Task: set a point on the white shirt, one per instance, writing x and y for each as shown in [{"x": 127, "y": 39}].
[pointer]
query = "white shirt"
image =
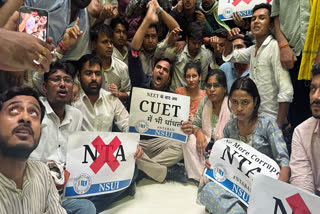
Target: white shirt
[
  {"x": 54, "y": 135},
  {"x": 118, "y": 75},
  {"x": 273, "y": 82},
  {"x": 116, "y": 53},
  {"x": 181, "y": 60},
  {"x": 105, "y": 110}
]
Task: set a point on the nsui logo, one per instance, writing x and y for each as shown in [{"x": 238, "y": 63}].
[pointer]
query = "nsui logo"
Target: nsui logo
[
  {"x": 219, "y": 173},
  {"x": 105, "y": 154},
  {"x": 82, "y": 183}
]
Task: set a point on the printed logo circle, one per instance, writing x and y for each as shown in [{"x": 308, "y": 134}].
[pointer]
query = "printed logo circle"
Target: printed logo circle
[
  {"x": 219, "y": 173},
  {"x": 82, "y": 184},
  {"x": 227, "y": 13},
  {"x": 141, "y": 126}
]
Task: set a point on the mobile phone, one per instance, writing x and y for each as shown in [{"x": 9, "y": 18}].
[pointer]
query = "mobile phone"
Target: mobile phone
[{"x": 34, "y": 21}]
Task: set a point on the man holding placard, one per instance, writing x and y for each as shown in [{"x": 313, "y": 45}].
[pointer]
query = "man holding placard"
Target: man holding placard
[
  {"x": 305, "y": 160},
  {"x": 161, "y": 154}
]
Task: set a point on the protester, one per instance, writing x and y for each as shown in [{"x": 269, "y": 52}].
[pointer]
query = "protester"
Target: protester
[
  {"x": 192, "y": 76},
  {"x": 304, "y": 161},
  {"x": 208, "y": 123},
  {"x": 272, "y": 80},
  {"x": 28, "y": 184},
  {"x": 235, "y": 70},
  {"x": 100, "y": 109},
  {"x": 115, "y": 71},
  {"x": 60, "y": 121},
  {"x": 193, "y": 51},
  {"x": 255, "y": 129},
  {"x": 120, "y": 29}
]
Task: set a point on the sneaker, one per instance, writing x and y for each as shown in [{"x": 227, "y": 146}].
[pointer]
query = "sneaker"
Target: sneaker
[{"x": 177, "y": 173}]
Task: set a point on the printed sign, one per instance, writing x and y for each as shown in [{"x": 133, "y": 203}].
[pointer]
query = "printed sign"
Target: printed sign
[
  {"x": 227, "y": 7},
  {"x": 158, "y": 113},
  {"x": 273, "y": 196},
  {"x": 234, "y": 164},
  {"x": 100, "y": 162}
]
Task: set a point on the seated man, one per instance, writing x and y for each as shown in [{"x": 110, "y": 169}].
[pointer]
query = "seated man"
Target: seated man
[
  {"x": 100, "y": 109},
  {"x": 115, "y": 71},
  {"x": 193, "y": 51},
  {"x": 161, "y": 155},
  {"x": 273, "y": 82},
  {"x": 235, "y": 70},
  {"x": 305, "y": 158},
  {"x": 60, "y": 121},
  {"x": 26, "y": 186},
  {"x": 120, "y": 29}
]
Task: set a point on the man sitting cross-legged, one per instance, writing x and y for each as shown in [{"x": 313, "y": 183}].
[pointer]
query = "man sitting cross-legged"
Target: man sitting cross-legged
[{"x": 60, "y": 121}]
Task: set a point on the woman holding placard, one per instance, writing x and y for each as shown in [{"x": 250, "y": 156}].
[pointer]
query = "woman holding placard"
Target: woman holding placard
[
  {"x": 258, "y": 130},
  {"x": 208, "y": 123},
  {"x": 192, "y": 76}
]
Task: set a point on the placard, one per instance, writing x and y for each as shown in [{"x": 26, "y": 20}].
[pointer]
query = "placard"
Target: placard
[
  {"x": 158, "y": 113},
  {"x": 234, "y": 164},
  {"x": 99, "y": 162},
  {"x": 227, "y": 7}
]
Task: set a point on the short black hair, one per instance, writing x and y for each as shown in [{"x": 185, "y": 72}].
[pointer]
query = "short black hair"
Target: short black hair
[
  {"x": 59, "y": 65},
  {"x": 100, "y": 28},
  {"x": 246, "y": 40},
  {"x": 196, "y": 65},
  {"x": 21, "y": 91},
  {"x": 247, "y": 84},
  {"x": 195, "y": 31},
  {"x": 263, "y": 5},
  {"x": 92, "y": 58},
  {"x": 119, "y": 20},
  {"x": 220, "y": 76},
  {"x": 164, "y": 59},
  {"x": 221, "y": 32},
  {"x": 155, "y": 26},
  {"x": 315, "y": 70}
]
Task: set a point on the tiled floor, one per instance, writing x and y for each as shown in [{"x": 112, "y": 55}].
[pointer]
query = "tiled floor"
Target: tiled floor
[{"x": 155, "y": 198}]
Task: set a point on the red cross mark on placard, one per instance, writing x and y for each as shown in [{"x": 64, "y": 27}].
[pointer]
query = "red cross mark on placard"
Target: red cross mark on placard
[
  {"x": 236, "y": 2},
  {"x": 297, "y": 204},
  {"x": 269, "y": 1},
  {"x": 106, "y": 154}
]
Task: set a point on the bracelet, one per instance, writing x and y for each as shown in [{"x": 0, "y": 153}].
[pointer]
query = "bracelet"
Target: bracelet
[
  {"x": 63, "y": 47},
  {"x": 160, "y": 11},
  {"x": 284, "y": 45}
]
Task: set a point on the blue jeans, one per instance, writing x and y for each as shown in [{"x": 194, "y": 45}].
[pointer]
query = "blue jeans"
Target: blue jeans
[
  {"x": 79, "y": 206},
  {"x": 102, "y": 202}
]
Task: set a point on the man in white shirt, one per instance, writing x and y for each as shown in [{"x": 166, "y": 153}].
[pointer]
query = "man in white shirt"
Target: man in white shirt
[
  {"x": 60, "y": 121},
  {"x": 100, "y": 108},
  {"x": 25, "y": 186},
  {"x": 115, "y": 71},
  {"x": 273, "y": 82},
  {"x": 120, "y": 29}
]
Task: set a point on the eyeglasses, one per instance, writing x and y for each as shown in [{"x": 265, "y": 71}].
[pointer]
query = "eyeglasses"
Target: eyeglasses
[
  {"x": 214, "y": 85},
  {"x": 58, "y": 79}
]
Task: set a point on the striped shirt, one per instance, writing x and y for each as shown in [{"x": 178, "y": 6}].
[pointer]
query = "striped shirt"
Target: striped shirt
[{"x": 38, "y": 194}]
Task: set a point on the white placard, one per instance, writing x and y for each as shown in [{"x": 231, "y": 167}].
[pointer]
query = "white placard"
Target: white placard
[
  {"x": 99, "y": 162},
  {"x": 227, "y": 7},
  {"x": 234, "y": 164},
  {"x": 273, "y": 196},
  {"x": 158, "y": 113}
]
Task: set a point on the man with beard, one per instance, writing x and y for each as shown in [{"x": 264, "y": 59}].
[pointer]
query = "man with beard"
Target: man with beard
[
  {"x": 59, "y": 122},
  {"x": 25, "y": 186},
  {"x": 63, "y": 15},
  {"x": 100, "y": 109},
  {"x": 305, "y": 156},
  {"x": 161, "y": 155}
]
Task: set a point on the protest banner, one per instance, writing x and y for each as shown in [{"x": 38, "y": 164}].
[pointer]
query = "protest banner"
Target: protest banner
[
  {"x": 234, "y": 164},
  {"x": 158, "y": 113},
  {"x": 227, "y": 7},
  {"x": 273, "y": 196},
  {"x": 99, "y": 162}
]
